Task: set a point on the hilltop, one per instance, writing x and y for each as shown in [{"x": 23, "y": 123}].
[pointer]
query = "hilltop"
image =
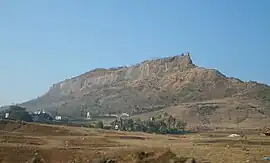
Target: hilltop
[{"x": 173, "y": 84}]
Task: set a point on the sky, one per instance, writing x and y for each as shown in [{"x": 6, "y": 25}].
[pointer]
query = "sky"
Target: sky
[{"x": 44, "y": 42}]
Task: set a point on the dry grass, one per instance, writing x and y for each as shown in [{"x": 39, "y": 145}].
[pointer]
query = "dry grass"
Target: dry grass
[{"x": 88, "y": 145}]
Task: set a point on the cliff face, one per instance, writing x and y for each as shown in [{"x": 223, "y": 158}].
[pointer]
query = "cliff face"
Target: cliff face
[
  {"x": 101, "y": 77},
  {"x": 143, "y": 87}
]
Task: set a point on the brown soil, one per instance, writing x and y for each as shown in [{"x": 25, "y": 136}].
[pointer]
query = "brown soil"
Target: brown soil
[
  {"x": 18, "y": 144},
  {"x": 129, "y": 137},
  {"x": 35, "y": 129},
  {"x": 21, "y": 139}
]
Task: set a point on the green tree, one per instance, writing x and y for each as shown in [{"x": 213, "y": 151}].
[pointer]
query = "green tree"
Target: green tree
[
  {"x": 130, "y": 124},
  {"x": 170, "y": 121},
  {"x": 163, "y": 129},
  {"x": 19, "y": 113},
  {"x": 160, "y": 123},
  {"x": 159, "y": 116},
  {"x": 181, "y": 125},
  {"x": 2, "y": 114},
  {"x": 138, "y": 121},
  {"x": 123, "y": 124},
  {"x": 165, "y": 114},
  {"x": 99, "y": 124}
]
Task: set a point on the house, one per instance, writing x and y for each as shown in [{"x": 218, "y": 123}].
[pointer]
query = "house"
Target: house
[
  {"x": 58, "y": 118},
  {"x": 116, "y": 124},
  {"x": 88, "y": 115},
  {"x": 42, "y": 117},
  {"x": 114, "y": 115},
  {"x": 6, "y": 115},
  {"x": 124, "y": 115}
]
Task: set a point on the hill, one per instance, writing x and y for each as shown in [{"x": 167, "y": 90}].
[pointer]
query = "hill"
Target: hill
[{"x": 173, "y": 84}]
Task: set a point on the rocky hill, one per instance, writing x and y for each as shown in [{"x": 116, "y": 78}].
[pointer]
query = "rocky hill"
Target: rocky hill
[{"x": 148, "y": 87}]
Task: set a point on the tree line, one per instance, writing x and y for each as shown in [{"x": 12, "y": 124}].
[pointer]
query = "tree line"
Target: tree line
[
  {"x": 17, "y": 113},
  {"x": 165, "y": 124}
]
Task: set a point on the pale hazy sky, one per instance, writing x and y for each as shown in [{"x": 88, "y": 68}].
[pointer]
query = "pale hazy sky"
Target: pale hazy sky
[{"x": 44, "y": 42}]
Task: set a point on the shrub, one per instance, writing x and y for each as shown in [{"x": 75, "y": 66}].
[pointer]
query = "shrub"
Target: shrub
[
  {"x": 99, "y": 124},
  {"x": 19, "y": 113}
]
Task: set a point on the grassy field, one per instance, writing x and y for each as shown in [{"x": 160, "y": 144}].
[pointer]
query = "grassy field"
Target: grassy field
[{"x": 21, "y": 142}]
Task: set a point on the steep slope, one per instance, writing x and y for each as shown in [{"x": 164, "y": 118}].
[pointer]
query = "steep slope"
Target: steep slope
[{"x": 148, "y": 86}]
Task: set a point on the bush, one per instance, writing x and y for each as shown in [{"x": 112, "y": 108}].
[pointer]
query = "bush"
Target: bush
[
  {"x": 99, "y": 124},
  {"x": 107, "y": 127},
  {"x": 163, "y": 130},
  {"x": 19, "y": 113}
]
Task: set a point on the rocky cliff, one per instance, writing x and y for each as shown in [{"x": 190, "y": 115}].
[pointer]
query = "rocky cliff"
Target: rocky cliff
[{"x": 148, "y": 86}]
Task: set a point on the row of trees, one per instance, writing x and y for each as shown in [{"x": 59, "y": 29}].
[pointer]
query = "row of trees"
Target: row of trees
[
  {"x": 17, "y": 113},
  {"x": 160, "y": 124},
  {"x": 167, "y": 124},
  {"x": 21, "y": 114}
]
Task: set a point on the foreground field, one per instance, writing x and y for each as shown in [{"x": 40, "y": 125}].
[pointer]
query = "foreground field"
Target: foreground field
[{"x": 21, "y": 142}]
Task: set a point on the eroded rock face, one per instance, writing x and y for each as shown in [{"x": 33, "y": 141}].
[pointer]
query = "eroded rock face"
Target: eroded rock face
[
  {"x": 108, "y": 77},
  {"x": 148, "y": 85}
]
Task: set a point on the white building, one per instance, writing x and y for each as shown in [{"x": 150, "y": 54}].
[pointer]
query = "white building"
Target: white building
[
  {"x": 88, "y": 115},
  {"x": 6, "y": 115},
  {"x": 124, "y": 115},
  {"x": 114, "y": 115},
  {"x": 58, "y": 117}
]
